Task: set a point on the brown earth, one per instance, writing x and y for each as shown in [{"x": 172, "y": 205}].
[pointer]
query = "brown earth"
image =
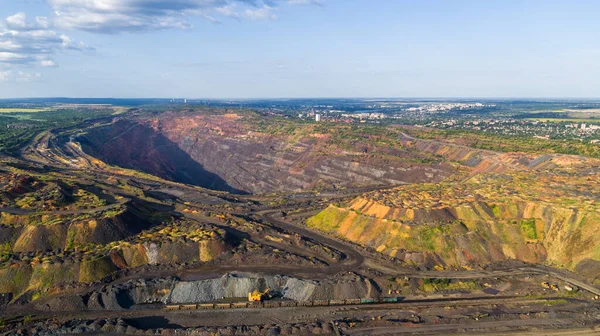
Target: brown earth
[{"x": 225, "y": 153}]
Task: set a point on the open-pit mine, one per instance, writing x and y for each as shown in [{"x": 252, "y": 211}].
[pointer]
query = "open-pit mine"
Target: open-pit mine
[{"x": 214, "y": 221}]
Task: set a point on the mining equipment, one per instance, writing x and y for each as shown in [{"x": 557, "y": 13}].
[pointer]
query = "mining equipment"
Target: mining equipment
[
  {"x": 258, "y": 296},
  {"x": 570, "y": 288}
]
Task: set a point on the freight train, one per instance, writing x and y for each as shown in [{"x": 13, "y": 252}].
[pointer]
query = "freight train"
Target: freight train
[{"x": 279, "y": 304}]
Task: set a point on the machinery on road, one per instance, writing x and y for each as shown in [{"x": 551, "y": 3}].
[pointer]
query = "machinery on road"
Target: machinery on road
[{"x": 258, "y": 296}]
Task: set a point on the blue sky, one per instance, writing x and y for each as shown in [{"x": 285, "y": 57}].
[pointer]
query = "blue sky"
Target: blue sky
[{"x": 299, "y": 48}]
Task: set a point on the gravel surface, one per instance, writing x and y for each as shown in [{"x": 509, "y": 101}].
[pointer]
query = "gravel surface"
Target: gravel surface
[{"x": 238, "y": 285}]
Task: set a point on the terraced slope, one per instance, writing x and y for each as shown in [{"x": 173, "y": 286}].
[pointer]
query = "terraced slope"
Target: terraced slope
[
  {"x": 32, "y": 275},
  {"x": 246, "y": 153},
  {"x": 57, "y": 231},
  {"x": 541, "y": 216},
  {"x": 138, "y": 146},
  {"x": 485, "y": 161}
]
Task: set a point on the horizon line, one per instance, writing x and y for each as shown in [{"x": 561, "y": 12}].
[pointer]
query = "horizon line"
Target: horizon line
[{"x": 309, "y": 97}]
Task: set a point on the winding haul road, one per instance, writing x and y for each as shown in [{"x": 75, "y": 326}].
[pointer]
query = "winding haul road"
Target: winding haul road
[{"x": 44, "y": 150}]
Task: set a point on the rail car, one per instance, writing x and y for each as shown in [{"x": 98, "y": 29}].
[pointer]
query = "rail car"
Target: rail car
[{"x": 279, "y": 304}]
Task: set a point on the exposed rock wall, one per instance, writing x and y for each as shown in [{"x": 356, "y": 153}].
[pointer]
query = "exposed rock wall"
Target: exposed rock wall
[
  {"x": 37, "y": 278},
  {"x": 235, "y": 286},
  {"x": 470, "y": 234},
  {"x": 134, "y": 255},
  {"x": 238, "y": 285},
  {"x": 134, "y": 145},
  {"x": 59, "y": 232},
  {"x": 223, "y": 152},
  {"x": 485, "y": 161}
]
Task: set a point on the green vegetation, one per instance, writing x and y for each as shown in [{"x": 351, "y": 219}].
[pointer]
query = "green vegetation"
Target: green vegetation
[
  {"x": 566, "y": 120},
  {"x": 5, "y": 251},
  {"x": 552, "y": 302},
  {"x": 327, "y": 220},
  {"x": 14, "y": 279},
  {"x": 96, "y": 269},
  {"x": 495, "y": 209},
  {"x": 528, "y": 228},
  {"x": 27, "y": 319},
  {"x": 443, "y": 284},
  {"x": 17, "y": 127},
  {"x": 481, "y": 140},
  {"x": 432, "y": 236},
  {"x": 113, "y": 212}
]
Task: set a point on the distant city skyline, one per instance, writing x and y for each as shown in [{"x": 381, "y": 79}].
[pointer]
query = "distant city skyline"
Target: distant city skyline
[{"x": 252, "y": 49}]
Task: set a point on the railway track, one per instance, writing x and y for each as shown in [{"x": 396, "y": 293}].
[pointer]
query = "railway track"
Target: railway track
[
  {"x": 277, "y": 304},
  {"x": 386, "y": 302}
]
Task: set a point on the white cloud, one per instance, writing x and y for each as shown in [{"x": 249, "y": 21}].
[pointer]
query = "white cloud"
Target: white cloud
[
  {"x": 116, "y": 16},
  {"x": 11, "y": 57},
  {"x": 16, "y": 21},
  {"x": 34, "y": 42},
  {"x": 19, "y": 76},
  {"x": 26, "y": 77},
  {"x": 8, "y": 45},
  {"x": 229, "y": 11},
  {"x": 48, "y": 64},
  {"x": 264, "y": 13},
  {"x": 25, "y": 44}
]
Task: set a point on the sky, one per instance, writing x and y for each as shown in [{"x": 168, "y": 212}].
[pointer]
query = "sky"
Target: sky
[{"x": 299, "y": 48}]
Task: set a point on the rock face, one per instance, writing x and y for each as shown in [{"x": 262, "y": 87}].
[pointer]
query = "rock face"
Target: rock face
[
  {"x": 138, "y": 146},
  {"x": 228, "y": 152},
  {"x": 124, "y": 296},
  {"x": 232, "y": 285},
  {"x": 472, "y": 233},
  {"x": 486, "y": 161},
  {"x": 36, "y": 277},
  {"x": 534, "y": 208},
  {"x": 167, "y": 252},
  {"x": 28, "y": 236},
  {"x": 238, "y": 285}
]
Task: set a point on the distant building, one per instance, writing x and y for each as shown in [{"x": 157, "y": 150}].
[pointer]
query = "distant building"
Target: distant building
[
  {"x": 317, "y": 117},
  {"x": 185, "y": 101},
  {"x": 17, "y": 126}
]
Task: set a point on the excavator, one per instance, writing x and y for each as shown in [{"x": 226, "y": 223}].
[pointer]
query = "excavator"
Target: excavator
[{"x": 258, "y": 296}]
